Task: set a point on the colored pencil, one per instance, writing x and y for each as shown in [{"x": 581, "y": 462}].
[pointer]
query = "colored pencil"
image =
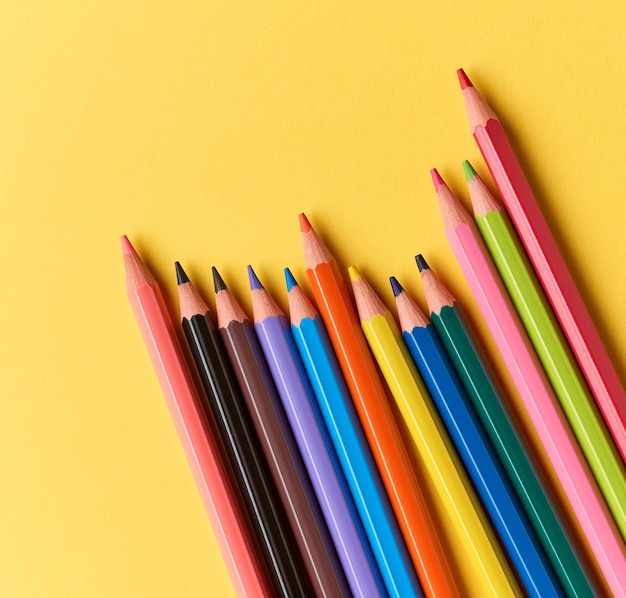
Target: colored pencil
[
  {"x": 279, "y": 445},
  {"x": 211, "y": 476},
  {"x": 314, "y": 443},
  {"x": 552, "y": 350},
  {"x": 476, "y": 451},
  {"x": 226, "y": 408},
  {"x": 453, "y": 490},
  {"x": 548, "y": 262},
  {"x": 539, "y": 395},
  {"x": 350, "y": 444},
  {"x": 484, "y": 392},
  {"x": 376, "y": 416},
  {"x": 534, "y": 388}
]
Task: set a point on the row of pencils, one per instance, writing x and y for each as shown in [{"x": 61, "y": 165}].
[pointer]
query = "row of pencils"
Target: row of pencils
[{"x": 340, "y": 451}]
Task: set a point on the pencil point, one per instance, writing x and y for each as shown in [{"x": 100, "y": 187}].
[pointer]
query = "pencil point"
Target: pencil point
[
  {"x": 438, "y": 182},
  {"x": 396, "y": 287},
  {"x": 305, "y": 225},
  {"x": 127, "y": 248},
  {"x": 255, "y": 283},
  {"x": 463, "y": 79},
  {"x": 181, "y": 275},
  {"x": 218, "y": 282},
  {"x": 469, "y": 171},
  {"x": 289, "y": 279},
  {"x": 421, "y": 263},
  {"x": 353, "y": 273}
]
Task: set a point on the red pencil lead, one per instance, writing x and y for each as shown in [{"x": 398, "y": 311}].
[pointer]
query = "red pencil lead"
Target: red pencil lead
[{"x": 463, "y": 79}]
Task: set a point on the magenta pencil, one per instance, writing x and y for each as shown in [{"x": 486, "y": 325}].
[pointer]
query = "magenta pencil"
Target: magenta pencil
[
  {"x": 314, "y": 443},
  {"x": 548, "y": 262}
]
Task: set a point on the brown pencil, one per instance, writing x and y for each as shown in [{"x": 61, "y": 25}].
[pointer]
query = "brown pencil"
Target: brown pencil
[
  {"x": 225, "y": 407},
  {"x": 279, "y": 445}
]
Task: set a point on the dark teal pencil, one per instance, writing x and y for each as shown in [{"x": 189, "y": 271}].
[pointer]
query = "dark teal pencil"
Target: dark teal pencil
[{"x": 475, "y": 449}]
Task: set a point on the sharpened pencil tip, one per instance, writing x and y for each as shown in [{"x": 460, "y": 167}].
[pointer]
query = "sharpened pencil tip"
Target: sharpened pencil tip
[
  {"x": 289, "y": 279},
  {"x": 438, "y": 182},
  {"x": 421, "y": 263},
  {"x": 181, "y": 275},
  {"x": 127, "y": 248},
  {"x": 396, "y": 287},
  {"x": 469, "y": 171},
  {"x": 255, "y": 283},
  {"x": 463, "y": 79},
  {"x": 218, "y": 282},
  {"x": 305, "y": 225},
  {"x": 353, "y": 273}
]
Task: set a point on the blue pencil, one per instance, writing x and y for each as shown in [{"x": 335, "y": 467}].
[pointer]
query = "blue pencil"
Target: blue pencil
[
  {"x": 350, "y": 444},
  {"x": 314, "y": 443},
  {"x": 475, "y": 449}
]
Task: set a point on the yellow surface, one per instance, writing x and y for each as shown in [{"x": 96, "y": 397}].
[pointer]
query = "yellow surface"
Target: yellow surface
[{"x": 201, "y": 130}]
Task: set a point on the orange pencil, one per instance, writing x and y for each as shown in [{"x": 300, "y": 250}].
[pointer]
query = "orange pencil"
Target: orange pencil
[
  {"x": 220, "y": 501},
  {"x": 374, "y": 410}
]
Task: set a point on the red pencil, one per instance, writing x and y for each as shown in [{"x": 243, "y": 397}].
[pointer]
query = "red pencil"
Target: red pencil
[
  {"x": 548, "y": 262},
  {"x": 222, "y": 505}
]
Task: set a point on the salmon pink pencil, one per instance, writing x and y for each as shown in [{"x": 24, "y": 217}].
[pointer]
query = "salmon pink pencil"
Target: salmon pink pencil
[
  {"x": 548, "y": 262},
  {"x": 181, "y": 395},
  {"x": 377, "y": 418}
]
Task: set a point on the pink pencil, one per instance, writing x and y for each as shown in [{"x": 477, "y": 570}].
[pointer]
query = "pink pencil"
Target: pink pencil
[
  {"x": 548, "y": 262},
  {"x": 532, "y": 384},
  {"x": 221, "y": 504}
]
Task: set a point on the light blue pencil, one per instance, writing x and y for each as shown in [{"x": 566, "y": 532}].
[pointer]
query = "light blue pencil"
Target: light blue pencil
[{"x": 350, "y": 444}]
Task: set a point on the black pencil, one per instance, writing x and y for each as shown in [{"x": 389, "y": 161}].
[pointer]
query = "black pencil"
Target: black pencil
[
  {"x": 240, "y": 443},
  {"x": 279, "y": 445}
]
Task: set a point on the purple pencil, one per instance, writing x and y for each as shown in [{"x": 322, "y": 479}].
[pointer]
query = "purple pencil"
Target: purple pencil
[{"x": 314, "y": 443}]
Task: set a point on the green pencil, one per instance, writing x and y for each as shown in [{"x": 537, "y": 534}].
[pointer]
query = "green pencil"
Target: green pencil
[
  {"x": 487, "y": 398},
  {"x": 552, "y": 348}
]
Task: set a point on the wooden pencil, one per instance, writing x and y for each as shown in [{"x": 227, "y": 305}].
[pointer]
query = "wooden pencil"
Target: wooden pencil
[
  {"x": 350, "y": 443},
  {"x": 279, "y": 446},
  {"x": 376, "y": 416},
  {"x": 221, "y": 503},
  {"x": 534, "y": 388},
  {"x": 472, "y": 538},
  {"x": 314, "y": 443},
  {"x": 552, "y": 349},
  {"x": 473, "y": 445},
  {"x": 548, "y": 262},
  {"x": 225, "y": 406}
]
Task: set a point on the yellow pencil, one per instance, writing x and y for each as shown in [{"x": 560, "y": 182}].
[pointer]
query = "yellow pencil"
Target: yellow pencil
[{"x": 477, "y": 554}]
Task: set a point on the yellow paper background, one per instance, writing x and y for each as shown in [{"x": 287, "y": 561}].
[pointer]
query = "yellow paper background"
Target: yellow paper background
[{"x": 201, "y": 130}]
